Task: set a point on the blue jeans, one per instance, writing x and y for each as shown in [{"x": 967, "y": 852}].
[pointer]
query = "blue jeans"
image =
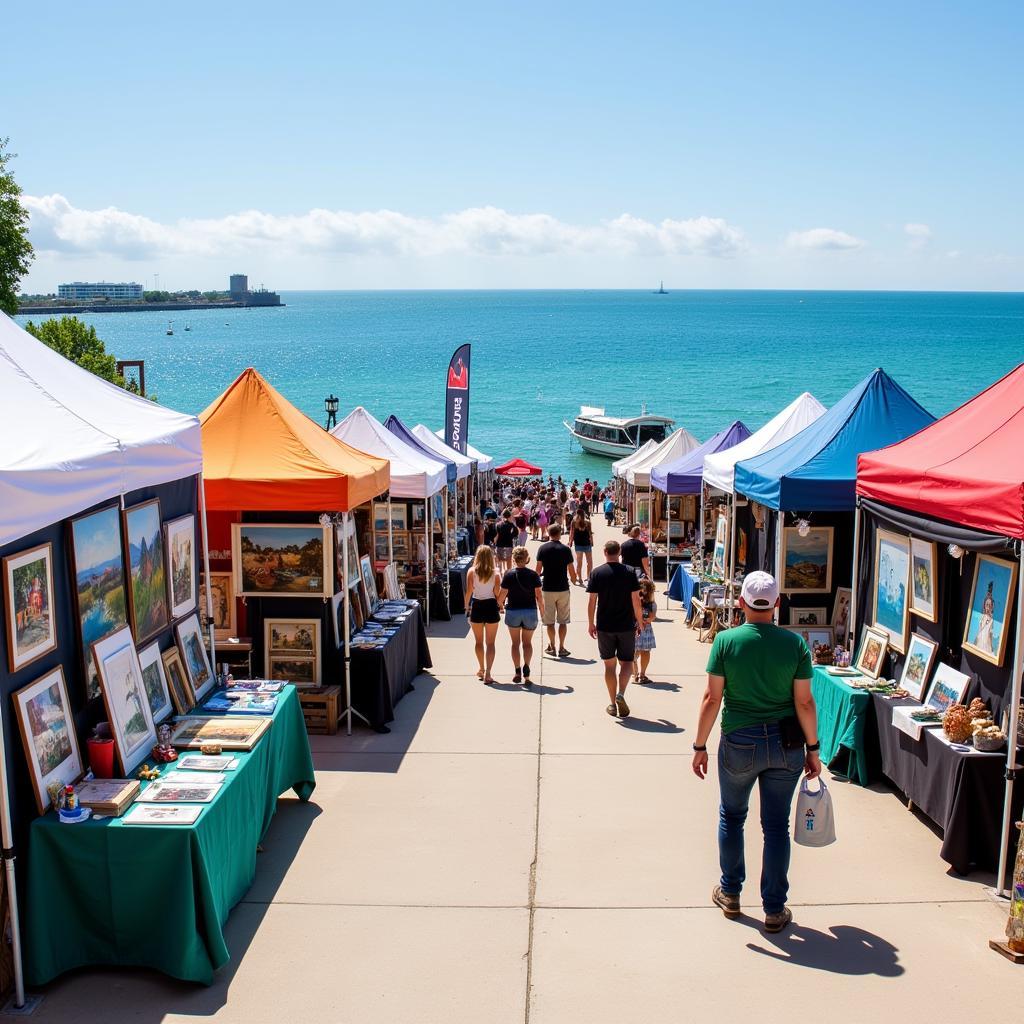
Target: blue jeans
[{"x": 748, "y": 755}]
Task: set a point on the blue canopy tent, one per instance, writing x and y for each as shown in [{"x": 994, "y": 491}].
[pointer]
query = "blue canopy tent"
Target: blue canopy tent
[{"x": 815, "y": 471}]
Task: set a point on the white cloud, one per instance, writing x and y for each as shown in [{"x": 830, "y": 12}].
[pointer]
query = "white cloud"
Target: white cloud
[
  {"x": 59, "y": 227},
  {"x": 826, "y": 239},
  {"x": 919, "y": 234}
]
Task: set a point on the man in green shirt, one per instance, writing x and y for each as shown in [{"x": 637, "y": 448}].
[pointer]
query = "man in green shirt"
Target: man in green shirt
[{"x": 763, "y": 673}]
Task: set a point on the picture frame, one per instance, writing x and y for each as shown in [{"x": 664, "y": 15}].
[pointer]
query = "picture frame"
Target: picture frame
[
  {"x": 948, "y": 687},
  {"x": 923, "y": 589},
  {"x": 154, "y": 677},
  {"x": 231, "y": 733},
  {"x": 291, "y": 650},
  {"x": 28, "y": 606},
  {"x": 890, "y": 606},
  {"x": 124, "y": 696},
  {"x": 380, "y": 547},
  {"x": 990, "y": 608},
  {"x": 47, "y": 727},
  {"x": 874, "y": 646},
  {"x": 338, "y": 617},
  {"x": 346, "y": 533},
  {"x": 841, "y": 615},
  {"x": 400, "y": 545},
  {"x": 380, "y": 517},
  {"x": 162, "y": 814},
  {"x": 281, "y": 559},
  {"x": 419, "y": 516},
  {"x": 97, "y": 572},
  {"x": 391, "y": 586},
  {"x": 180, "y": 688},
  {"x": 182, "y": 578},
  {"x": 399, "y": 516},
  {"x": 300, "y": 672},
  {"x": 194, "y": 656},
  {"x": 358, "y": 610},
  {"x": 368, "y": 583},
  {"x": 225, "y": 612},
  {"x": 816, "y": 616},
  {"x": 917, "y": 665},
  {"x": 145, "y": 575},
  {"x": 159, "y": 792},
  {"x": 807, "y": 560},
  {"x": 813, "y": 635}
]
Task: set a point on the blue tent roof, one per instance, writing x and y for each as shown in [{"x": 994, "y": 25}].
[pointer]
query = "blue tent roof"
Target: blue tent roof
[
  {"x": 684, "y": 475},
  {"x": 816, "y": 470},
  {"x": 400, "y": 430}
]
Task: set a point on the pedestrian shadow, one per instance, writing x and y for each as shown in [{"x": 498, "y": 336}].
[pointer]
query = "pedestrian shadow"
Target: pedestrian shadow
[
  {"x": 646, "y": 725},
  {"x": 844, "y": 949},
  {"x": 570, "y": 660},
  {"x": 538, "y": 688},
  {"x": 652, "y": 684}
]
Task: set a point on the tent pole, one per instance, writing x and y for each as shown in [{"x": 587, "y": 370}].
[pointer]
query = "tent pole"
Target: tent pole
[
  {"x": 348, "y": 522},
  {"x": 428, "y": 561},
  {"x": 391, "y": 536},
  {"x": 780, "y": 520},
  {"x": 12, "y": 890},
  {"x": 668, "y": 546},
  {"x": 851, "y": 629},
  {"x": 732, "y": 552},
  {"x": 1011, "y": 746},
  {"x": 206, "y": 570}
]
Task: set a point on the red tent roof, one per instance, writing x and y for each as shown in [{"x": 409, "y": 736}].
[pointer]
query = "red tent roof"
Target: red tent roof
[
  {"x": 965, "y": 468},
  {"x": 518, "y": 467}
]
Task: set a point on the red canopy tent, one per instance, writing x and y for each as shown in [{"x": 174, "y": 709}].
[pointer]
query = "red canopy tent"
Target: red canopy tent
[{"x": 518, "y": 467}]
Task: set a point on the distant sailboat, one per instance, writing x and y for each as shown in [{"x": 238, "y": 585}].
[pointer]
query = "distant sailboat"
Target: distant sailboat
[
  {"x": 170, "y": 327},
  {"x": 188, "y": 327},
  {"x": 661, "y": 289}
]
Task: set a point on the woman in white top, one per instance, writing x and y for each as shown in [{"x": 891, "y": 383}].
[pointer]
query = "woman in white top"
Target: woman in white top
[{"x": 483, "y": 585}]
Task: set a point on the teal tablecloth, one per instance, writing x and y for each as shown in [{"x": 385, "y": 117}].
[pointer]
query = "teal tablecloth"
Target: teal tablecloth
[
  {"x": 842, "y": 713},
  {"x": 106, "y": 893}
]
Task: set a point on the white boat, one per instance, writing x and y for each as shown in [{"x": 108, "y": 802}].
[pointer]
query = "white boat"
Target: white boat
[{"x": 616, "y": 436}]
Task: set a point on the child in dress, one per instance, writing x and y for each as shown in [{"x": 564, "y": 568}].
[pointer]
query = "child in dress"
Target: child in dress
[{"x": 645, "y": 640}]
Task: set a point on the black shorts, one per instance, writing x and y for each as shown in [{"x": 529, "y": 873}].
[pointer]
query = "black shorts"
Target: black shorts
[
  {"x": 484, "y": 611},
  {"x": 616, "y": 645}
]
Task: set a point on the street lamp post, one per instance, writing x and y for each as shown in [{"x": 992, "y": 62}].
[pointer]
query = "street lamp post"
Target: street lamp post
[{"x": 331, "y": 405}]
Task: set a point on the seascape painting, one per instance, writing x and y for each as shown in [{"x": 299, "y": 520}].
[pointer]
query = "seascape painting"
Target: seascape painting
[
  {"x": 181, "y": 555},
  {"x": 807, "y": 560},
  {"x": 990, "y": 608},
  {"x": 892, "y": 574},
  {"x": 948, "y": 688},
  {"x": 28, "y": 592},
  {"x": 147, "y": 583},
  {"x": 280, "y": 560},
  {"x": 922, "y": 578},
  {"x": 99, "y": 582}
]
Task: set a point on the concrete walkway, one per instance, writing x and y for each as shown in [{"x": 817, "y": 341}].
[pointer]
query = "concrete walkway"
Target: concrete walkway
[{"x": 515, "y": 856}]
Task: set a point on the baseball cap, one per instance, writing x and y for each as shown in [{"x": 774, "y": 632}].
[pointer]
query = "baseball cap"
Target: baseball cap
[{"x": 760, "y": 591}]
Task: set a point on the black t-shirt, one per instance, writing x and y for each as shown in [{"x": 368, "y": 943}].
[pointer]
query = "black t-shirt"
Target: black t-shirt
[
  {"x": 555, "y": 558},
  {"x": 507, "y": 534},
  {"x": 490, "y": 531},
  {"x": 615, "y": 584},
  {"x": 633, "y": 552},
  {"x": 520, "y": 584},
  {"x": 581, "y": 535}
]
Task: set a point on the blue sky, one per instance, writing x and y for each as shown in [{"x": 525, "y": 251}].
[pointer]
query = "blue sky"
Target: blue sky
[{"x": 568, "y": 145}]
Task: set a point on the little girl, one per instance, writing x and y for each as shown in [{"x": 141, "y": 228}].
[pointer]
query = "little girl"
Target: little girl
[{"x": 645, "y": 641}]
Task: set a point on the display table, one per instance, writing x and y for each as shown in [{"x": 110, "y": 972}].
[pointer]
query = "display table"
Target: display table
[
  {"x": 457, "y": 573},
  {"x": 383, "y": 676},
  {"x": 685, "y": 585},
  {"x": 103, "y": 893},
  {"x": 843, "y": 712}
]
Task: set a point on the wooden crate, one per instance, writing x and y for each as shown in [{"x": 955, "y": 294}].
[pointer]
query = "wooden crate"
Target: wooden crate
[{"x": 320, "y": 709}]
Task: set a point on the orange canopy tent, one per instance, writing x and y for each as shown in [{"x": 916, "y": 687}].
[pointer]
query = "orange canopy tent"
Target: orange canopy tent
[{"x": 261, "y": 454}]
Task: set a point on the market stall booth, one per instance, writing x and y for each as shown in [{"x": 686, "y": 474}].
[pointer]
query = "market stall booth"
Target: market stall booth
[
  {"x": 484, "y": 478},
  {"x": 619, "y": 469},
  {"x": 637, "y": 475},
  {"x": 461, "y": 499},
  {"x": 280, "y": 491},
  {"x": 938, "y": 598}
]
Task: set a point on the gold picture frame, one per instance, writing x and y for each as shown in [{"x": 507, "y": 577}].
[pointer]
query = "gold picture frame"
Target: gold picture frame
[
  {"x": 995, "y": 580},
  {"x": 890, "y": 588},
  {"x": 803, "y": 571}
]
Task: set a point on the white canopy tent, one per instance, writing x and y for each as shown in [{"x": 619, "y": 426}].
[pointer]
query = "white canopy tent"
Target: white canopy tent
[
  {"x": 484, "y": 463},
  {"x": 620, "y": 466},
  {"x": 463, "y": 463},
  {"x": 678, "y": 443}
]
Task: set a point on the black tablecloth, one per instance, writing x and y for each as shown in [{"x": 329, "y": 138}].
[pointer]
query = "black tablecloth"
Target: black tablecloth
[
  {"x": 382, "y": 677},
  {"x": 457, "y": 589},
  {"x": 439, "y": 603},
  {"x": 962, "y": 792}
]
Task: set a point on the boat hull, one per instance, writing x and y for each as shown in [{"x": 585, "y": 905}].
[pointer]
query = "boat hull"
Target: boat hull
[{"x": 593, "y": 446}]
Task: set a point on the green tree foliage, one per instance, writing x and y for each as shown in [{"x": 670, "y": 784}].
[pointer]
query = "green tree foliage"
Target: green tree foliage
[
  {"x": 15, "y": 249},
  {"x": 77, "y": 341}
]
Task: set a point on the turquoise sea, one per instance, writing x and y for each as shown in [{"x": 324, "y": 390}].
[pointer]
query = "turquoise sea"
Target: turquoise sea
[{"x": 702, "y": 357}]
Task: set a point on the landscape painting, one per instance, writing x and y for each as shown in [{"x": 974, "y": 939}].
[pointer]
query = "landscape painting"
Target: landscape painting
[
  {"x": 292, "y": 636},
  {"x": 281, "y": 560},
  {"x": 124, "y": 694},
  {"x": 917, "y": 665},
  {"x": 922, "y": 578},
  {"x": 147, "y": 583},
  {"x": 154, "y": 679},
  {"x": 948, "y": 688},
  {"x": 28, "y": 593},
  {"x": 181, "y": 555},
  {"x": 300, "y": 671},
  {"x": 990, "y": 608},
  {"x": 194, "y": 656},
  {"x": 96, "y": 561},
  {"x": 892, "y": 577},
  {"x": 807, "y": 560}
]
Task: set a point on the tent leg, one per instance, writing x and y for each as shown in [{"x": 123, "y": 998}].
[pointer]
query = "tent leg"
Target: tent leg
[
  {"x": 1011, "y": 747},
  {"x": 428, "y": 564},
  {"x": 780, "y": 519},
  {"x": 668, "y": 546},
  {"x": 851, "y": 631},
  {"x": 391, "y": 537},
  {"x": 732, "y": 555},
  {"x": 206, "y": 570},
  {"x": 349, "y": 710}
]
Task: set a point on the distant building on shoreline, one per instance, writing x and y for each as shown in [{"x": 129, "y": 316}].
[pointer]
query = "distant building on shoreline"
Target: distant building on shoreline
[
  {"x": 238, "y": 287},
  {"x": 84, "y": 291}
]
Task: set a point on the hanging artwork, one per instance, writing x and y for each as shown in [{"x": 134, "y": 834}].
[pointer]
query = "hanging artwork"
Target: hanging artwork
[
  {"x": 177, "y": 681},
  {"x": 281, "y": 560},
  {"x": 874, "y": 646},
  {"x": 194, "y": 656},
  {"x": 890, "y": 604},
  {"x": 144, "y": 559},
  {"x": 841, "y": 614},
  {"x": 808, "y": 616},
  {"x": 98, "y": 572},
  {"x": 807, "y": 560},
  {"x": 922, "y": 578},
  {"x": 28, "y": 599},
  {"x": 719, "y": 551},
  {"x": 155, "y": 680},
  {"x": 124, "y": 694},
  {"x": 990, "y": 608},
  {"x": 48, "y": 732},
  {"x": 813, "y": 635},
  {"x": 917, "y": 665},
  {"x": 180, "y": 535},
  {"x": 222, "y": 597}
]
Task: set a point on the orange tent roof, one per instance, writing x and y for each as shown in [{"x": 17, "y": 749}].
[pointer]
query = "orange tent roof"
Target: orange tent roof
[{"x": 261, "y": 453}]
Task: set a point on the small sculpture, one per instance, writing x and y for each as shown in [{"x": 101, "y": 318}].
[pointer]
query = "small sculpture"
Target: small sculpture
[
  {"x": 956, "y": 723},
  {"x": 163, "y": 751}
]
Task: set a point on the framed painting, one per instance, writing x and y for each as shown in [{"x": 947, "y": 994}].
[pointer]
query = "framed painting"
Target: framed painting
[
  {"x": 380, "y": 547},
  {"x": 343, "y": 535},
  {"x": 918, "y": 665},
  {"x": 177, "y": 681},
  {"x": 808, "y": 616},
  {"x": 180, "y": 536},
  {"x": 98, "y": 571},
  {"x": 222, "y": 595},
  {"x": 338, "y": 617},
  {"x": 194, "y": 656},
  {"x": 281, "y": 560},
  {"x": 391, "y": 590},
  {"x": 292, "y": 640},
  {"x": 47, "y": 729},
  {"x": 813, "y": 635},
  {"x": 124, "y": 694},
  {"x": 368, "y": 582},
  {"x": 356, "y": 604},
  {"x": 399, "y": 516},
  {"x": 231, "y": 733},
  {"x": 419, "y": 516},
  {"x": 401, "y": 546},
  {"x": 28, "y": 601},
  {"x": 874, "y": 646},
  {"x": 299, "y": 671},
  {"x": 990, "y": 608},
  {"x": 380, "y": 517},
  {"x": 841, "y": 614},
  {"x": 948, "y": 688},
  {"x": 154, "y": 677},
  {"x": 890, "y": 604},
  {"x": 807, "y": 560},
  {"x": 922, "y": 578},
  {"x": 144, "y": 560}
]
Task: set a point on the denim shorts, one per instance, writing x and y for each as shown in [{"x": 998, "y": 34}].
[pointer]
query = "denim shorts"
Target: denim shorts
[
  {"x": 584, "y": 549},
  {"x": 521, "y": 618}
]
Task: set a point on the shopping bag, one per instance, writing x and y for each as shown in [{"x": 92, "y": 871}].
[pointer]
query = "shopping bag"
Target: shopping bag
[{"x": 815, "y": 820}]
